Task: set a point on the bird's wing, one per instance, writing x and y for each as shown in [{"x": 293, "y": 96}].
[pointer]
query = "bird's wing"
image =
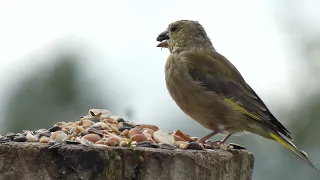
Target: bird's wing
[{"x": 214, "y": 72}]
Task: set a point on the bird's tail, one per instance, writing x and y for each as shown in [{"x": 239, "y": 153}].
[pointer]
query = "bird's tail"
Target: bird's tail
[{"x": 289, "y": 145}]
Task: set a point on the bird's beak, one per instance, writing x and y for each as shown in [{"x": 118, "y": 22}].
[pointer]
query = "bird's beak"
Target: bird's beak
[{"x": 162, "y": 38}]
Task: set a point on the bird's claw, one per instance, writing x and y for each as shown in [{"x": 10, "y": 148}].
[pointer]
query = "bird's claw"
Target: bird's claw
[
  {"x": 221, "y": 145},
  {"x": 213, "y": 144}
]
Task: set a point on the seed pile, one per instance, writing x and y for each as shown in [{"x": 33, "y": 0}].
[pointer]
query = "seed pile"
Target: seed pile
[{"x": 101, "y": 128}]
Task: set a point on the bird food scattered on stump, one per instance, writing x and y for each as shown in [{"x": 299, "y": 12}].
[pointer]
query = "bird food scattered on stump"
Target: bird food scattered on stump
[{"x": 101, "y": 128}]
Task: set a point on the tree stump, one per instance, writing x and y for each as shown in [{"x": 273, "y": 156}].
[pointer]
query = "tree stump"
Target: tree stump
[{"x": 28, "y": 161}]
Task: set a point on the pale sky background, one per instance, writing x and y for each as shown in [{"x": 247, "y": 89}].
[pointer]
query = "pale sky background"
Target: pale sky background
[
  {"x": 123, "y": 33},
  {"x": 121, "y": 37}
]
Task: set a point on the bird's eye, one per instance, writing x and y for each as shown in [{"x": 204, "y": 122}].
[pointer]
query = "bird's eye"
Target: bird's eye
[{"x": 173, "y": 28}]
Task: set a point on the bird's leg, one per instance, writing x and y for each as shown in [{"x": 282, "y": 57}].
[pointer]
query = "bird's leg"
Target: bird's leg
[
  {"x": 217, "y": 144},
  {"x": 224, "y": 139},
  {"x": 203, "y": 139}
]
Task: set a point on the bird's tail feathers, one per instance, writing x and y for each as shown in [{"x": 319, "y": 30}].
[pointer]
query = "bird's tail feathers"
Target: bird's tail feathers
[{"x": 289, "y": 145}]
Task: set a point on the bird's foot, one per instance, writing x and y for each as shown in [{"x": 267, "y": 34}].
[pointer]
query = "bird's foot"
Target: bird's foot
[
  {"x": 217, "y": 144},
  {"x": 208, "y": 136},
  {"x": 221, "y": 145},
  {"x": 213, "y": 145}
]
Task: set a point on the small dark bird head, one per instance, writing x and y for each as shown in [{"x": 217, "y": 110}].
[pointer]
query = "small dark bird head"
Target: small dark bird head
[{"x": 184, "y": 35}]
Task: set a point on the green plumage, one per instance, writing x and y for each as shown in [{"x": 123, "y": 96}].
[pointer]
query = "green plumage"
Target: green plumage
[
  {"x": 217, "y": 74},
  {"x": 208, "y": 88}
]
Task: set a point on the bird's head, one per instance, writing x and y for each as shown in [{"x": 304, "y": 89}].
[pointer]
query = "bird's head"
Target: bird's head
[{"x": 184, "y": 35}]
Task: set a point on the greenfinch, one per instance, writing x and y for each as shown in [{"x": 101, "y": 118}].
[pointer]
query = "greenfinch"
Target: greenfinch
[{"x": 208, "y": 88}]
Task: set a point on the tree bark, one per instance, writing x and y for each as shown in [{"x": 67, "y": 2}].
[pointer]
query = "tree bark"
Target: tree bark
[{"x": 28, "y": 161}]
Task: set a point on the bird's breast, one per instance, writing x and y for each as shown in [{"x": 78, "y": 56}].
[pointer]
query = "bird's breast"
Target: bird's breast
[
  {"x": 191, "y": 97},
  {"x": 206, "y": 107}
]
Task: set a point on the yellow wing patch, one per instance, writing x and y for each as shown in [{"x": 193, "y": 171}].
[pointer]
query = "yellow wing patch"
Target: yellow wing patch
[
  {"x": 243, "y": 110},
  {"x": 281, "y": 141}
]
